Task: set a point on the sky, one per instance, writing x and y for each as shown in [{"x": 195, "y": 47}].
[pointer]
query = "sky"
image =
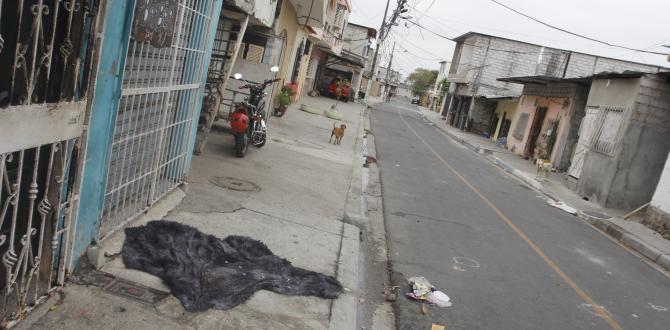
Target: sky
[{"x": 640, "y": 24}]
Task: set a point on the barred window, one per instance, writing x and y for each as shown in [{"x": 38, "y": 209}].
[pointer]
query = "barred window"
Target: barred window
[{"x": 608, "y": 131}]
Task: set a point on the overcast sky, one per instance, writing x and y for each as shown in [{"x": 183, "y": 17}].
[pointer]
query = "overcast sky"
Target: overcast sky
[{"x": 643, "y": 24}]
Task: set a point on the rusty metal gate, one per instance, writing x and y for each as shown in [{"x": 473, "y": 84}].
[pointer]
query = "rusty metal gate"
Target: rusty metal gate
[
  {"x": 45, "y": 63},
  {"x": 162, "y": 81}
]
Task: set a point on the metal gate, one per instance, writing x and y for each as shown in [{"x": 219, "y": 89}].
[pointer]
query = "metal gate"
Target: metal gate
[
  {"x": 162, "y": 80},
  {"x": 46, "y": 59},
  {"x": 586, "y": 130}
]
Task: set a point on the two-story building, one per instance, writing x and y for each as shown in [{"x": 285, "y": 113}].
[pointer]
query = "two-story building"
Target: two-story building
[{"x": 481, "y": 59}]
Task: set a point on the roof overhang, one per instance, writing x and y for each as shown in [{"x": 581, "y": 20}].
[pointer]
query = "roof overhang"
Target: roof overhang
[
  {"x": 544, "y": 80},
  {"x": 344, "y": 58}
]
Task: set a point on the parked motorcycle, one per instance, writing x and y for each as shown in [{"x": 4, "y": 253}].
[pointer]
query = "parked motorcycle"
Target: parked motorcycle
[{"x": 248, "y": 118}]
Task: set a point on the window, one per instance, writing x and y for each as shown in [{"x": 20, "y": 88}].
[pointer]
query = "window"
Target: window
[
  {"x": 608, "y": 129},
  {"x": 521, "y": 126},
  {"x": 254, "y": 53}
]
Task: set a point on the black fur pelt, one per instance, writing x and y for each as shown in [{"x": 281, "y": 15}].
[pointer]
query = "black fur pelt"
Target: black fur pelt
[{"x": 205, "y": 272}]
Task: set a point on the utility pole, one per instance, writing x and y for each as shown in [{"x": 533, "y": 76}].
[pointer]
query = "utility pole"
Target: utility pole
[
  {"x": 388, "y": 70},
  {"x": 382, "y": 35}
]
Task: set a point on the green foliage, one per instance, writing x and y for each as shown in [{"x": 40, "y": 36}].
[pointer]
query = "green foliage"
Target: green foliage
[
  {"x": 443, "y": 86},
  {"x": 421, "y": 79},
  {"x": 283, "y": 98}
]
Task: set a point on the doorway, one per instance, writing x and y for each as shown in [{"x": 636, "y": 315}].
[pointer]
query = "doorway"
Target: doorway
[{"x": 535, "y": 129}]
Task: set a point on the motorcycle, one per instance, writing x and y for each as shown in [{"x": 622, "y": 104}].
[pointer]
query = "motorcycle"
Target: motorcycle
[{"x": 248, "y": 119}]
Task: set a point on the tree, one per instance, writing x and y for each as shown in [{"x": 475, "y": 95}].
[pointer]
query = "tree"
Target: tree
[{"x": 421, "y": 79}]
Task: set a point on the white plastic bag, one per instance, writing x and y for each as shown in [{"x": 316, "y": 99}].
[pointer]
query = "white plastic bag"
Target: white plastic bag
[{"x": 439, "y": 298}]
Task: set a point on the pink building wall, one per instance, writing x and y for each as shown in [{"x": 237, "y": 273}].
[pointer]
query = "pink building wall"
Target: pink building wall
[{"x": 556, "y": 108}]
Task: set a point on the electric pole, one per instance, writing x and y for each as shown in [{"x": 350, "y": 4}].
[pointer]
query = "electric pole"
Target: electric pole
[
  {"x": 382, "y": 35},
  {"x": 388, "y": 70}
]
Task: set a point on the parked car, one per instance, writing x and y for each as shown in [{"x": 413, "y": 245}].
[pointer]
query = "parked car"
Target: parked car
[{"x": 415, "y": 100}]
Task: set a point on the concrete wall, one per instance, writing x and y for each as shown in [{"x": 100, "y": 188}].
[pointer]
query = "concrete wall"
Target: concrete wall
[
  {"x": 627, "y": 179},
  {"x": 645, "y": 145},
  {"x": 356, "y": 40},
  {"x": 599, "y": 169}
]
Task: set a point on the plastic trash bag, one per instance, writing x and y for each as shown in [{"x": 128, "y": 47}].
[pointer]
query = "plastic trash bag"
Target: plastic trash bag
[
  {"x": 439, "y": 298},
  {"x": 420, "y": 287}
]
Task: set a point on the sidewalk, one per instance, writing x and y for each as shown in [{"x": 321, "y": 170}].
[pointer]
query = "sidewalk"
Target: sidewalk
[
  {"x": 632, "y": 234},
  {"x": 290, "y": 194}
]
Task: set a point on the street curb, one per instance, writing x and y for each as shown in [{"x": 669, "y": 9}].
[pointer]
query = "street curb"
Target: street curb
[
  {"x": 630, "y": 240},
  {"x": 344, "y": 310},
  {"x": 343, "y": 313},
  {"x": 626, "y": 238}
]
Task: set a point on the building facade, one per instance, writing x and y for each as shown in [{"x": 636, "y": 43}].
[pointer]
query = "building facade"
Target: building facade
[
  {"x": 623, "y": 140},
  {"x": 100, "y": 111},
  {"x": 480, "y": 59}
]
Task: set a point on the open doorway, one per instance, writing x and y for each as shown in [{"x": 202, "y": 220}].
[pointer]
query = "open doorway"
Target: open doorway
[{"x": 535, "y": 129}]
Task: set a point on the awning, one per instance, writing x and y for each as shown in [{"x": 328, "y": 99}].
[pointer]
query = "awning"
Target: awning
[
  {"x": 351, "y": 60},
  {"x": 544, "y": 80}
]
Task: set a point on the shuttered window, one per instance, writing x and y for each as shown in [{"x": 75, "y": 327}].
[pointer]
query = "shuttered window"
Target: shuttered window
[{"x": 521, "y": 126}]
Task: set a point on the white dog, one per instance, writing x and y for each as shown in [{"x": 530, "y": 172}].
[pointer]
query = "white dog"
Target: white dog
[{"x": 544, "y": 167}]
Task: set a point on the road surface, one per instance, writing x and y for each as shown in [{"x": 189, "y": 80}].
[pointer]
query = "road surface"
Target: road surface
[{"x": 506, "y": 258}]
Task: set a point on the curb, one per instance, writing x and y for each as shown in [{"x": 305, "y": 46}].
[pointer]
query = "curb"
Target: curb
[
  {"x": 626, "y": 238},
  {"x": 630, "y": 240},
  {"x": 344, "y": 310}
]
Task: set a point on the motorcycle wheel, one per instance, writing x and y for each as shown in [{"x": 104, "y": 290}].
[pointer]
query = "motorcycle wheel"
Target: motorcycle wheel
[
  {"x": 261, "y": 144},
  {"x": 241, "y": 145}
]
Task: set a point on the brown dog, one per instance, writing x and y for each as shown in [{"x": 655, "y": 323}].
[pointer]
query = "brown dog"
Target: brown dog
[{"x": 338, "y": 133}]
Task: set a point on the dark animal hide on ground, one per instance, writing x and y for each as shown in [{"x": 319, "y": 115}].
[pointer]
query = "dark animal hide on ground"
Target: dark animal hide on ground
[{"x": 205, "y": 272}]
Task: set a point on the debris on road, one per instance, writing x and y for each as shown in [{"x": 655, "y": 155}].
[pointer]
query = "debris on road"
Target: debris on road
[
  {"x": 562, "y": 206},
  {"x": 424, "y": 291},
  {"x": 439, "y": 298},
  {"x": 437, "y": 327},
  {"x": 204, "y": 271}
]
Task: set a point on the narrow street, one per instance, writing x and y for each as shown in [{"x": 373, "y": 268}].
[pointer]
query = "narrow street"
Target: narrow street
[{"x": 506, "y": 258}]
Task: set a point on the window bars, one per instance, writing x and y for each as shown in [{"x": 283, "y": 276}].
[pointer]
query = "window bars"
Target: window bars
[
  {"x": 46, "y": 52},
  {"x": 607, "y": 135},
  {"x": 42, "y": 55},
  {"x": 155, "y": 117}
]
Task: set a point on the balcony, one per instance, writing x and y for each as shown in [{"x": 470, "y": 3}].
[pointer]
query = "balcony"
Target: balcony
[
  {"x": 461, "y": 74},
  {"x": 317, "y": 9}
]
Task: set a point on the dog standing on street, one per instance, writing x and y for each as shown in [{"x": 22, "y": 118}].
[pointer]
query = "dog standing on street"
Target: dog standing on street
[{"x": 338, "y": 133}]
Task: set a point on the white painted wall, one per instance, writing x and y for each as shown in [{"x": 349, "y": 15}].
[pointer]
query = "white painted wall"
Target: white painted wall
[{"x": 661, "y": 199}]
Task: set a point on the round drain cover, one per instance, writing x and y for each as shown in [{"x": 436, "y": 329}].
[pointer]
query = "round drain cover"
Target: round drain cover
[
  {"x": 597, "y": 215},
  {"x": 235, "y": 184}
]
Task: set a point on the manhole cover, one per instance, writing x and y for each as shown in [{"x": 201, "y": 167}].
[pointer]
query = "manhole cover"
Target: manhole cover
[
  {"x": 135, "y": 291},
  {"x": 597, "y": 215},
  {"x": 235, "y": 184}
]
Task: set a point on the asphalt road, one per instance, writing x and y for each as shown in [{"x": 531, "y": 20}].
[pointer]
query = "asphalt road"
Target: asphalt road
[{"x": 506, "y": 258}]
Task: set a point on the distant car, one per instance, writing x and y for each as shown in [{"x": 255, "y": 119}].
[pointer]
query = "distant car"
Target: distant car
[{"x": 415, "y": 100}]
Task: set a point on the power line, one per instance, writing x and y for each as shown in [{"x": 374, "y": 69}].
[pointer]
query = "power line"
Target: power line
[
  {"x": 491, "y": 49},
  {"x": 573, "y": 33}
]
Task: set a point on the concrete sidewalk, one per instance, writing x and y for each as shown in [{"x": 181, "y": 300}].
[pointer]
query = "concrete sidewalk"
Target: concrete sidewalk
[
  {"x": 290, "y": 194},
  {"x": 632, "y": 234}
]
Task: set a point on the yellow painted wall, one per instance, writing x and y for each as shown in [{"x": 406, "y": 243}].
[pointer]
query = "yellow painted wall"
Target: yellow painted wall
[
  {"x": 509, "y": 107},
  {"x": 287, "y": 20}
]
